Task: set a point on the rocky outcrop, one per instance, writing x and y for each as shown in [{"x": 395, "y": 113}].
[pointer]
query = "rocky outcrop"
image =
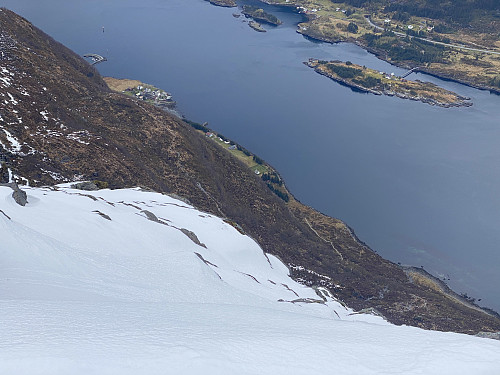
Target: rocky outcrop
[
  {"x": 4, "y": 173},
  {"x": 86, "y": 185},
  {"x": 20, "y": 196},
  {"x": 193, "y": 237}
]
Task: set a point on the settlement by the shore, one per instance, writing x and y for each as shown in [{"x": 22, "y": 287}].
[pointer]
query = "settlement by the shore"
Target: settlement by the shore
[{"x": 142, "y": 91}]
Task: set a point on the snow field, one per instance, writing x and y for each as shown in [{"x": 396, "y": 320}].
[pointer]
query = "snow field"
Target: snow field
[{"x": 91, "y": 283}]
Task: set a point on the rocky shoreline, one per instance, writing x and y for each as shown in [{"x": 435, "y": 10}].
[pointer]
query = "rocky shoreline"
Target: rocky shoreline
[{"x": 460, "y": 102}]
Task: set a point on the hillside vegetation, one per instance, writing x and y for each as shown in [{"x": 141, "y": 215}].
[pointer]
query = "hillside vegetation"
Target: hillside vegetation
[{"x": 60, "y": 122}]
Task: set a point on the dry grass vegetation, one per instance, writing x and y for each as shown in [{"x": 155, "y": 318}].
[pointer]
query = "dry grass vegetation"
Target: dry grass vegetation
[{"x": 120, "y": 85}]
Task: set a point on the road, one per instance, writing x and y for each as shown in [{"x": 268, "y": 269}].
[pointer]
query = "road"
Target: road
[{"x": 433, "y": 41}]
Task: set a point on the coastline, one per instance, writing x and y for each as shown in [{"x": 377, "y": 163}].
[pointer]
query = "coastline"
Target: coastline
[{"x": 380, "y": 54}]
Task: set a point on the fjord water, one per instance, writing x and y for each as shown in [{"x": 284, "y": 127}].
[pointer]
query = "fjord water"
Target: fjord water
[{"x": 418, "y": 184}]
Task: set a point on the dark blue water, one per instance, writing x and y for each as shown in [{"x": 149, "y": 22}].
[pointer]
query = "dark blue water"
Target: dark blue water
[{"x": 419, "y": 184}]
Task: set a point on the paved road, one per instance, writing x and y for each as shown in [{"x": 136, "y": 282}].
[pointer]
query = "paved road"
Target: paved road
[{"x": 433, "y": 41}]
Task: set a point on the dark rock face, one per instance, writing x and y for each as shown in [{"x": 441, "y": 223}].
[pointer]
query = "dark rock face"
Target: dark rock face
[
  {"x": 20, "y": 196},
  {"x": 74, "y": 128},
  {"x": 4, "y": 173}
]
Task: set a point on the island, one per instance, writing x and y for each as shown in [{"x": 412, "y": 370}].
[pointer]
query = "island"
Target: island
[
  {"x": 256, "y": 26},
  {"x": 376, "y": 82},
  {"x": 259, "y": 15}
]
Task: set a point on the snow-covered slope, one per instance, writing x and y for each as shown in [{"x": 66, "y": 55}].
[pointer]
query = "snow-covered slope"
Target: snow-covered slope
[{"x": 134, "y": 282}]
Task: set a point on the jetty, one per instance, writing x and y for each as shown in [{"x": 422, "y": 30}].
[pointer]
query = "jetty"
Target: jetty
[{"x": 96, "y": 59}]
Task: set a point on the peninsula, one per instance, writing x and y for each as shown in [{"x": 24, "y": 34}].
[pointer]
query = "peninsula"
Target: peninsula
[
  {"x": 142, "y": 91},
  {"x": 380, "y": 83},
  {"x": 455, "y": 41}
]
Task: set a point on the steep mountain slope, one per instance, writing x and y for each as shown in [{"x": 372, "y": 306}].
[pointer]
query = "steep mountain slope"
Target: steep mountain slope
[
  {"x": 59, "y": 122},
  {"x": 136, "y": 282}
]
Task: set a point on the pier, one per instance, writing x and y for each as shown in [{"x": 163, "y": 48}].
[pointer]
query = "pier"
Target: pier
[{"x": 96, "y": 59}]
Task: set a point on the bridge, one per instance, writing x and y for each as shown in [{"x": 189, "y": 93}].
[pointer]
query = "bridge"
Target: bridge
[
  {"x": 96, "y": 59},
  {"x": 410, "y": 72}
]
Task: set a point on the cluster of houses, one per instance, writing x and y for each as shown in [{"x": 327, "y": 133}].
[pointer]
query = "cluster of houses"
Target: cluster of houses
[
  {"x": 230, "y": 146},
  {"x": 392, "y": 76},
  {"x": 306, "y": 10},
  {"x": 213, "y": 135},
  {"x": 387, "y": 22},
  {"x": 151, "y": 94}
]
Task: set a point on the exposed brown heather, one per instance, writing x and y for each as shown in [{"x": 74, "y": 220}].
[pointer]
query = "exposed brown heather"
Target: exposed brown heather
[
  {"x": 132, "y": 143},
  {"x": 120, "y": 85}
]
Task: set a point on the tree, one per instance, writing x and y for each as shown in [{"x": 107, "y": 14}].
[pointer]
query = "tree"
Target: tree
[{"x": 352, "y": 28}]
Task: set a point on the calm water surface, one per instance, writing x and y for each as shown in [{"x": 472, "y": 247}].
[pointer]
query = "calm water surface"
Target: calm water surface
[{"x": 419, "y": 184}]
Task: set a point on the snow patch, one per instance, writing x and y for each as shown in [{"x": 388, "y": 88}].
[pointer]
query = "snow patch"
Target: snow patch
[
  {"x": 54, "y": 175},
  {"x": 82, "y": 136},
  {"x": 12, "y": 100},
  {"x": 15, "y": 145},
  {"x": 6, "y": 81},
  {"x": 44, "y": 115}
]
